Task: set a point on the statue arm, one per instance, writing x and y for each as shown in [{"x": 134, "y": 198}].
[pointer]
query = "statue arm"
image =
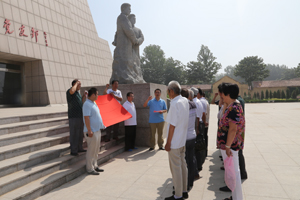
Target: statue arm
[
  {"x": 127, "y": 28},
  {"x": 141, "y": 38}
]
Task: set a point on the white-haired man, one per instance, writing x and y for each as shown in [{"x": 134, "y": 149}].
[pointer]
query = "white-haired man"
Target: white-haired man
[{"x": 177, "y": 119}]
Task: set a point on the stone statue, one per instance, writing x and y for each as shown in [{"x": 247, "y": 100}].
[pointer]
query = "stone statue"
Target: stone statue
[{"x": 126, "y": 65}]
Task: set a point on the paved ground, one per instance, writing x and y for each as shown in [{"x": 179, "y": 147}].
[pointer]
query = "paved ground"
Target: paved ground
[
  {"x": 272, "y": 153},
  {"x": 24, "y": 111}
]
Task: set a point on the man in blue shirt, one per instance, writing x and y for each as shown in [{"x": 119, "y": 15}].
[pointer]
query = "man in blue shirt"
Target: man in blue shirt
[
  {"x": 156, "y": 119},
  {"x": 92, "y": 133}
]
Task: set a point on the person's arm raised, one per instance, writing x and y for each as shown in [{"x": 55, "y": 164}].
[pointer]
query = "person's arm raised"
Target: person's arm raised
[
  {"x": 105, "y": 90},
  {"x": 74, "y": 87},
  {"x": 146, "y": 102}
]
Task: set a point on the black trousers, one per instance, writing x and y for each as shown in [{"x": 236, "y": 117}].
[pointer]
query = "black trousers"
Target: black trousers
[
  {"x": 200, "y": 155},
  {"x": 190, "y": 161},
  {"x": 130, "y": 134},
  {"x": 242, "y": 165},
  {"x": 206, "y": 139},
  {"x": 114, "y": 128}
]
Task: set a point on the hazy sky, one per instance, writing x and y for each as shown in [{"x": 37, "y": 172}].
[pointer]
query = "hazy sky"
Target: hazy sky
[{"x": 232, "y": 29}]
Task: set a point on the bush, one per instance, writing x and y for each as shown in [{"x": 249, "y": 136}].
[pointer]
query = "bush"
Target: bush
[
  {"x": 282, "y": 94},
  {"x": 262, "y": 95},
  {"x": 275, "y": 100}
]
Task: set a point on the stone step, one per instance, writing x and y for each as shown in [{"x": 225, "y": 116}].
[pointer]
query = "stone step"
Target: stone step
[
  {"x": 13, "y": 150},
  {"x": 28, "y": 160},
  {"x": 23, "y": 136},
  {"x": 31, "y": 125},
  {"x": 31, "y": 159},
  {"x": 51, "y": 181},
  {"x": 9, "y": 120}
]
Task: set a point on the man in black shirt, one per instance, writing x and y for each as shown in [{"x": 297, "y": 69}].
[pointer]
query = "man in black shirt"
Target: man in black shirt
[{"x": 75, "y": 102}]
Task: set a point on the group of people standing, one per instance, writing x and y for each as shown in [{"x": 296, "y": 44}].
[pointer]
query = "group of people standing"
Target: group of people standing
[{"x": 187, "y": 129}]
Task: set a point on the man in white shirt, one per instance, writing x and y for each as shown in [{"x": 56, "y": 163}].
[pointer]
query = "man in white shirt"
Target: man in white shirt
[
  {"x": 200, "y": 155},
  {"x": 177, "y": 119},
  {"x": 205, "y": 122},
  {"x": 130, "y": 124},
  {"x": 117, "y": 94}
]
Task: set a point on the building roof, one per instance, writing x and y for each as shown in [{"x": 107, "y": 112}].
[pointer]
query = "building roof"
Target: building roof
[
  {"x": 205, "y": 87},
  {"x": 282, "y": 83}
]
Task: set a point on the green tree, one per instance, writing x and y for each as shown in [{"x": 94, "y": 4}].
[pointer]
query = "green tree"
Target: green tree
[
  {"x": 267, "y": 94},
  {"x": 278, "y": 94},
  {"x": 257, "y": 95},
  {"x": 275, "y": 94},
  {"x": 297, "y": 91},
  {"x": 282, "y": 94},
  {"x": 289, "y": 74},
  {"x": 297, "y": 70},
  {"x": 174, "y": 70},
  {"x": 254, "y": 95},
  {"x": 245, "y": 95},
  {"x": 153, "y": 64},
  {"x": 262, "y": 95},
  {"x": 204, "y": 69},
  {"x": 249, "y": 95},
  {"x": 294, "y": 95},
  {"x": 288, "y": 93},
  {"x": 271, "y": 94},
  {"x": 251, "y": 69}
]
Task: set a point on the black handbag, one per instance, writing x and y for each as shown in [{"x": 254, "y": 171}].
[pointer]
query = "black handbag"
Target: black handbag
[{"x": 200, "y": 143}]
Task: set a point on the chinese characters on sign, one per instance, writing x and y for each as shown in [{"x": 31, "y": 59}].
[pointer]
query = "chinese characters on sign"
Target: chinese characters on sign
[
  {"x": 6, "y": 26},
  {"x": 34, "y": 33}
]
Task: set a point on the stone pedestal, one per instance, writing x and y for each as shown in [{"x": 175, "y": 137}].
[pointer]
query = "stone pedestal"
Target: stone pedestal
[{"x": 141, "y": 93}]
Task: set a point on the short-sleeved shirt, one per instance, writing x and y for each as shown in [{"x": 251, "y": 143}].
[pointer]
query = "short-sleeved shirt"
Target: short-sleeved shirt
[
  {"x": 91, "y": 109},
  {"x": 191, "y": 134},
  {"x": 118, "y": 93},
  {"x": 234, "y": 113},
  {"x": 199, "y": 110},
  {"x": 155, "y": 105},
  {"x": 74, "y": 104},
  {"x": 178, "y": 116},
  {"x": 241, "y": 100},
  {"x": 130, "y": 107},
  {"x": 203, "y": 101}
]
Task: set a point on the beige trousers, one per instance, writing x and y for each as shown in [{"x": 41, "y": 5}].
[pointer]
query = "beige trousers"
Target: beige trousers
[
  {"x": 159, "y": 127},
  {"x": 93, "y": 149},
  {"x": 178, "y": 170}
]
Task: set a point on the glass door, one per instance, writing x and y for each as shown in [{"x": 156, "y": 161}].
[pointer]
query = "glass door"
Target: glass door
[{"x": 10, "y": 85}]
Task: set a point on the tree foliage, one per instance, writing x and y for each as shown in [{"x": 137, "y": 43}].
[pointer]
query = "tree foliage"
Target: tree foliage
[
  {"x": 262, "y": 95},
  {"x": 204, "y": 69},
  {"x": 153, "y": 64},
  {"x": 297, "y": 70},
  {"x": 282, "y": 94},
  {"x": 251, "y": 69},
  {"x": 174, "y": 70}
]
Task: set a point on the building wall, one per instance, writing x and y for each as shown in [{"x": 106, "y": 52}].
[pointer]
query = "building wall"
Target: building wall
[
  {"x": 226, "y": 79},
  {"x": 74, "y": 49}
]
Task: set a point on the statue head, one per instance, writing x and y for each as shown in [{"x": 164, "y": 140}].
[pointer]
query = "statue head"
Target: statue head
[
  {"x": 132, "y": 19},
  {"x": 126, "y": 8}
]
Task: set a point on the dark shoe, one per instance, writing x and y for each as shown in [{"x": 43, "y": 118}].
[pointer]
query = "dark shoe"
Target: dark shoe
[
  {"x": 173, "y": 198},
  {"x": 107, "y": 140},
  {"x": 74, "y": 154},
  {"x": 230, "y": 198},
  {"x": 244, "y": 177},
  {"x": 185, "y": 195},
  {"x": 151, "y": 149},
  {"x": 83, "y": 150},
  {"x": 93, "y": 173},
  {"x": 222, "y": 168},
  {"x": 99, "y": 170},
  {"x": 161, "y": 148},
  {"x": 224, "y": 189}
]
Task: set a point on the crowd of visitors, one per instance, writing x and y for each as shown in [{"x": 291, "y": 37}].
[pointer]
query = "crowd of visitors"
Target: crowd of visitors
[{"x": 187, "y": 130}]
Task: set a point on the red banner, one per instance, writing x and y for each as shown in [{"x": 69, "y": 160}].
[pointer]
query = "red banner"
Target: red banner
[{"x": 112, "y": 112}]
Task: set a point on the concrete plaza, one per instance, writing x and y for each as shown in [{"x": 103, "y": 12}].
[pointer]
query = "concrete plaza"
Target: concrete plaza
[{"x": 272, "y": 153}]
